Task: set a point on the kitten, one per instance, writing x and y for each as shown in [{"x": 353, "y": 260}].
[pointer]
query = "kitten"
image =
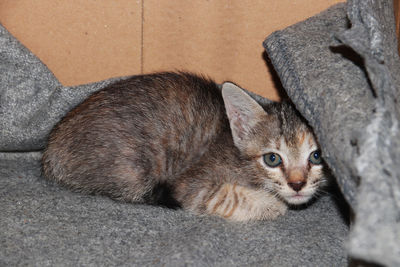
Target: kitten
[{"x": 179, "y": 137}]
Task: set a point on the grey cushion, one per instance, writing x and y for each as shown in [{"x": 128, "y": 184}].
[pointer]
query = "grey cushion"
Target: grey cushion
[{"x": 342, "y": 72}]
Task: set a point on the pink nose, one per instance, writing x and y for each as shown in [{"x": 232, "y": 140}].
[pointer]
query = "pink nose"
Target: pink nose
[{"x": 297, "y": 186}]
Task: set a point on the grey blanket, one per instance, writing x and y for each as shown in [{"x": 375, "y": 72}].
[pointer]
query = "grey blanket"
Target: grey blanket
[
  {"x": 44, "y": 224},
  {"x": 343, "y": 75}
]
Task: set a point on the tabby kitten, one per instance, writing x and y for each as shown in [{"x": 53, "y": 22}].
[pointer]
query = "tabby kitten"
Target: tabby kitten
[{"x": 179, "y": 137}]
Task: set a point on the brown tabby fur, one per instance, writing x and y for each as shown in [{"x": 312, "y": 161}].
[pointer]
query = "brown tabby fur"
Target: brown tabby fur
[{"x": 166, "y": 138}]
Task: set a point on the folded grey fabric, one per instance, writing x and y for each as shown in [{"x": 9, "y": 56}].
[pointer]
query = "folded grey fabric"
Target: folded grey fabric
[
  {"x": 43, "y": 224},
  {"x": 341, "y": 69},
  {"x": 32, "y": 101}
]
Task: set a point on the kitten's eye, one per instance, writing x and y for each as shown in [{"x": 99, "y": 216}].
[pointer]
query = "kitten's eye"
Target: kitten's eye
[
  {"x": 315, "y": 157},
  {"x": 272, "y": 159}
]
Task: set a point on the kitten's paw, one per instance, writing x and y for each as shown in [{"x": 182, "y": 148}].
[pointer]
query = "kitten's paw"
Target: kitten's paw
[
  {"x": 239, "y": 203},
  {"x": 263, "y": 206},
  {"x": 274, "y": 210}
]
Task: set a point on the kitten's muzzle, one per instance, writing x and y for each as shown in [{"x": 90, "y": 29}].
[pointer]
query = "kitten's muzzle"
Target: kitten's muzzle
[{"x": 296, "y": 179}]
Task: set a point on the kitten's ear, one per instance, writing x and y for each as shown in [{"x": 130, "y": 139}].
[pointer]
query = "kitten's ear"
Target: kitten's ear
[{"x": 243, "y": 112}]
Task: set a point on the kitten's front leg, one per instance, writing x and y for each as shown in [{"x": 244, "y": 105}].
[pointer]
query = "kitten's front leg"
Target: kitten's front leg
[{"x": 238, "y": 203}]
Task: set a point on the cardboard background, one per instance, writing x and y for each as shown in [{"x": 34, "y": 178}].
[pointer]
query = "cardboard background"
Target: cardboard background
[{"x": 84, "y": 41}]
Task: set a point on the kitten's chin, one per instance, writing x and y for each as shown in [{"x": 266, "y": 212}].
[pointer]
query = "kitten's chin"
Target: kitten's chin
[{"x": 298, "y": 199}]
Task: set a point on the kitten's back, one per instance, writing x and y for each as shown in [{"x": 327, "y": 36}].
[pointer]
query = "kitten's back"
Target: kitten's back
[{"x": 138, "y": 132}]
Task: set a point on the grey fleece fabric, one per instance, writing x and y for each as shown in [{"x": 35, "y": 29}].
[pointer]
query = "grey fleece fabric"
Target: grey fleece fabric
[
  {"x": 342, "y": 70},
  {"x": 43, "y": 224},
  {"x": 32, "y": 100}
]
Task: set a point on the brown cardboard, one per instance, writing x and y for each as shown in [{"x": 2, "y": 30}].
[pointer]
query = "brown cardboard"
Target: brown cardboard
[
  {"x": 84, "y": 41},
  {"x": 396, "y": 9},
  {"x": 81, "y": 41}
]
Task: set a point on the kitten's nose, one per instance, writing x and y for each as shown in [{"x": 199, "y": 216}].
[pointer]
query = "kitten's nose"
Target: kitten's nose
[{"x": 297, "y": 186}]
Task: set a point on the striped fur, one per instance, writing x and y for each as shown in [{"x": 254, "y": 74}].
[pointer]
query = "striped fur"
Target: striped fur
[{"x": 241, "y": 203}]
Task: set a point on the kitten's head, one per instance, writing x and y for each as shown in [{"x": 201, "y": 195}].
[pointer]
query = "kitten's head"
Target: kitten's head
[{"x": 279, "y": 144}]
